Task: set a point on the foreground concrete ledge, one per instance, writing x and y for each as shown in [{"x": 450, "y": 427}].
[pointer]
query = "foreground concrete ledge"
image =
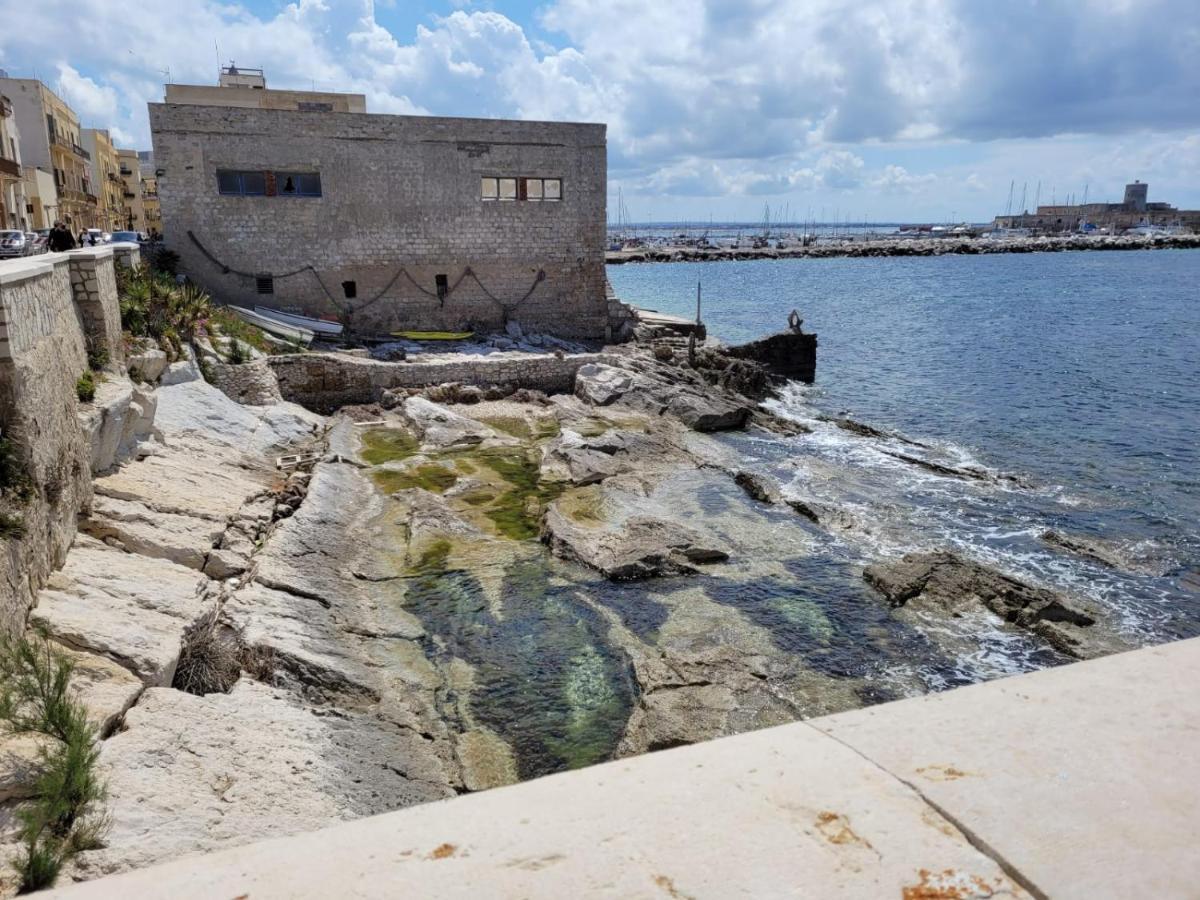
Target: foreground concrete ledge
[{"x": 1082, "y": 781}]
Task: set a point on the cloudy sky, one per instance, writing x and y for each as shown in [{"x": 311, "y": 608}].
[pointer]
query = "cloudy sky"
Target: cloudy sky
[{"x": 910, "y": 110}]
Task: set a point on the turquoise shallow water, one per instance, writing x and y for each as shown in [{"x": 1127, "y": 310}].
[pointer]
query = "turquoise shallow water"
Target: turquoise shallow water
[{"x": 1078, "y": 372}]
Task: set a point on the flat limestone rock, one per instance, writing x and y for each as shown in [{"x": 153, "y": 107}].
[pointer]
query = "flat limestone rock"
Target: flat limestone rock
[
  {"x": 105, "y": 688},
  {"x": 197, "y": 406},
  {"x": 192, "y": 773},
  {"x": 642, "y": 547},
  {"x": 950, "y": 583},
  {"x": 139, "y": 529},
  {"x": 130, "y": 608},
  {"x": 442, "y": 429},
  {"x": 190, "y": 476}
]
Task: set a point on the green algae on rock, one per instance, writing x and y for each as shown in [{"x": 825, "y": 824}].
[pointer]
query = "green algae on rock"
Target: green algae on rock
[{"x": 380, "y": 445}]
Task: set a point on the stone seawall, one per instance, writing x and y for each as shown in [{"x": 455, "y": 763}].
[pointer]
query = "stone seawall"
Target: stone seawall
[
  {"x": 323, "y": 382},
  {"x": 54, "y": 310},
  {"x": 907, "y": 247}
]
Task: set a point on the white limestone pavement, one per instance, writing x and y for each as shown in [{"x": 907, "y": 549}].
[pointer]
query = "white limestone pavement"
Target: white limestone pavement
[{"x": 1073, "y": 782}]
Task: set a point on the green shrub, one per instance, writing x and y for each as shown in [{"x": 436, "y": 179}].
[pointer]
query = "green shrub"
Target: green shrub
[
  {"x": 237, "y": 353},
  {"x": 66, "y": 813},
  {"x": 85, "y": 387},
  {"x": 98, "y": 358}
]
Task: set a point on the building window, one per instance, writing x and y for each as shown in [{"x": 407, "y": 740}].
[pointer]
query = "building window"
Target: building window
[
  {"x": 533, "y": 190},
  {"x": 314, "y": 106},
  {"x": 265, "y": 284},
  {"x": 350, "y": 289},
  {"x": 443, "y": 286},
  {"x": 298, "y": 184},
  {"x": 243, "y": 184}
]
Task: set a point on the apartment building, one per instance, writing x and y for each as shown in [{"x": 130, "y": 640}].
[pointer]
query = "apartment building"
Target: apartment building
[
  {"x": 13, "y": 204},
  {"x": 104, "y": 169}
]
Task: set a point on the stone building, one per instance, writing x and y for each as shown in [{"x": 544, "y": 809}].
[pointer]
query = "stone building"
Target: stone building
[
  {"x": 1133, "y": 211},
  {"x": 13, "y": 212},
  {"x": 133, "y": 212},
  {"x": 50, "y": 141},
  {"x": 388, "y": 222},
  {"x": 105, "y": 177}
]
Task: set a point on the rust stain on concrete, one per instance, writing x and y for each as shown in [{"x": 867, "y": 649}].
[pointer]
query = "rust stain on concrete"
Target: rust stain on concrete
[
  {"x": 442, "y": 851},
  {"x": 835, "y": 828},
  {"x": 940, "y": 772}
]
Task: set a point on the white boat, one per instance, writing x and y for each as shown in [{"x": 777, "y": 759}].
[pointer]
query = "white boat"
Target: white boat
[
  {"x": 318, "y": 326},
  {"x": 280, "y": 329}
]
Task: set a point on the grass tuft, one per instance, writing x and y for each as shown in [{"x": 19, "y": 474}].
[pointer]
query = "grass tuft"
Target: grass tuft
[
  {"x": 85, "y": 387},
  {"x": 66, "y": 814}
]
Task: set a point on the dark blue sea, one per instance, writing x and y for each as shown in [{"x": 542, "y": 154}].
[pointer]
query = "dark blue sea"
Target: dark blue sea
[{"x": 1071, "y": 379}]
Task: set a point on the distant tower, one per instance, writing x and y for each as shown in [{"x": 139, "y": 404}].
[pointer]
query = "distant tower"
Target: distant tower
[{"x": 1135, "y": 196}]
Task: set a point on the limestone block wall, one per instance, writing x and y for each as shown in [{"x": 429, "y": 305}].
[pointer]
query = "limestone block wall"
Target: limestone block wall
[
  {"x": 94, "y": 285},
  {"x": 52, "y": 309},
  {"x": 323, "y": 382},
  {"x": 400, "y": 205}
]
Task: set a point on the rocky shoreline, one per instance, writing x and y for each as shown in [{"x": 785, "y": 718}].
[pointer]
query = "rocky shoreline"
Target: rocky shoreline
[
  {"x": 879, "y": 247},
  {"x": 459, "y": 586}
]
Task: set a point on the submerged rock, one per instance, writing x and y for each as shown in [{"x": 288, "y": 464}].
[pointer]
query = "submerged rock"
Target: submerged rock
[
  {"x": 948, "y": 583},
  {"x": 1106, "y": 553}
]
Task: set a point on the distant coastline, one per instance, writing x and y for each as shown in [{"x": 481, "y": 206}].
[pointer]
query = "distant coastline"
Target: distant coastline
[{"x": 864, "y": 246}]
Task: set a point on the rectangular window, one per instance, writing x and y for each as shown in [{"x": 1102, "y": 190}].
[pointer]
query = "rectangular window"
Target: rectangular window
[
  {"x": 252, "y": 184},
  {"x": 298, "y": 184},
  {"x": 489, "y": 188},
  {"x": 552, "y": 188},
  {"x": 265, "y": 284},
  {"x": 443, "y": 286},
  {"x": 533, "y": 189},
  {"x": 508, "y": 189}
]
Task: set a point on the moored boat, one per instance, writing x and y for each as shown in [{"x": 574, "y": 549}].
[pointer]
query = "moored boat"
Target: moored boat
[
  {"x": 317, "y": 326},
  {"x": 273, "y": 326}
]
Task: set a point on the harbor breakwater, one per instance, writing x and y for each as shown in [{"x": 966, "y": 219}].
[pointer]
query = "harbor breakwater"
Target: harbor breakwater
[{"x": 906, "y": 247}]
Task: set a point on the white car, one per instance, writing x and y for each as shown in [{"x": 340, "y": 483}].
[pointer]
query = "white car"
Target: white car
[
  {"x": 13, "y": 243},
  {"x": 95, "y": 237}
]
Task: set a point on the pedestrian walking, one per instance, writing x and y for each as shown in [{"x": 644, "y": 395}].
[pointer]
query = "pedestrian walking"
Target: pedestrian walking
[{"x": 60, "y": 239}]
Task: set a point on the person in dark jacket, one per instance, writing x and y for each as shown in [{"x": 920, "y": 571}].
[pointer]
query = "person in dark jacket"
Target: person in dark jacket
[{"x": 60, "y": 239}]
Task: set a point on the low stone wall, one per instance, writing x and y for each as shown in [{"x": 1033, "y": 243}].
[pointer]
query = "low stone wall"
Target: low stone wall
[
  {"x": 53, "y": 310},
  {"x": 323, "y": 382}
]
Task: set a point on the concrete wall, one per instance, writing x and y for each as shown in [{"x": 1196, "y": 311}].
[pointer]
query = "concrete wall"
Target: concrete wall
[
  {"x": 323, "y": 382},
  {"x": 52, "y": 309},
  {"x": 262, "y": 98},
  {"x": 397, "y": 191}
]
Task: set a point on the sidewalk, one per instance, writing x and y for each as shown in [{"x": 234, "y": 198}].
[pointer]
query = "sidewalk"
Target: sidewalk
[{"x": 1082, "y": 781}]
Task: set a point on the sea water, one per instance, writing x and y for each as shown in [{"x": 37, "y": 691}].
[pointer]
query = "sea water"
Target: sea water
[{"x": 1071, "y": 378}]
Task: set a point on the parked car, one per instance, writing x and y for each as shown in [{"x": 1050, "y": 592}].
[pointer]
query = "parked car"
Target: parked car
[
  {"x": 12, "y": 243},
  {"x": 97, "y": 236},
  {"x": 131, "y": 237},
  {"x": 36, "y": 243}
]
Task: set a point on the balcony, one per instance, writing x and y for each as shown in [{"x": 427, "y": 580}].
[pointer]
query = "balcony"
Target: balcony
[
  {"x": 114, "y": 177},
  {"x": 73, "y": 195},
  {"x": 129, "y": 195},
  {"x": 8, "y": 167},
  {"x": 61, "y": 140},
  {"x": 126, "y": 171}
]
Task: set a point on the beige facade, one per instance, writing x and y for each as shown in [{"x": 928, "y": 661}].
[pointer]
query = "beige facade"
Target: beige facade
[
  {"x": 153, "y": 212},
  {"x": 13, "y": 204},
  {"x": 41, "y": 197},
  {"x": 104, "y": 167},
  {"x": 247, "y": 88},
  {"x": 133, "y": 210},
  {"x": 50, "y": 140}
]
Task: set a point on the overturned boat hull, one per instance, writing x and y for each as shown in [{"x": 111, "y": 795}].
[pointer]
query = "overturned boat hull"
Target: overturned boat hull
[{"x": 274, "y": 326}]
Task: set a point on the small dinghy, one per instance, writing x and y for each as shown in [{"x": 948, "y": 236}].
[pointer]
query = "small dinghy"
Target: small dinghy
[
  {"x": 317, "y": 326},
  {"x": 274, "y": 326}
]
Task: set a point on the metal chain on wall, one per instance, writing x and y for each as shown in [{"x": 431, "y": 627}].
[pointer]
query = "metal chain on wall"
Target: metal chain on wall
[{"x": 347, "y": 310}]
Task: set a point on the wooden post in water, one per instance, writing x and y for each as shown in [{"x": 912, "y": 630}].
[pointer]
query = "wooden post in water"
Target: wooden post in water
[{"x": 697, "y": 301}]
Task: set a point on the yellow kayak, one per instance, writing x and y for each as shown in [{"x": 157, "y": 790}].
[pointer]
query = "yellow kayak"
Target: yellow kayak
[{"x": 434, "y": 335}]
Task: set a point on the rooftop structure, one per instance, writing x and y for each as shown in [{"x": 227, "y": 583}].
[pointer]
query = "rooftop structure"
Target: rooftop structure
[{"x": 243, "y": 87}]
